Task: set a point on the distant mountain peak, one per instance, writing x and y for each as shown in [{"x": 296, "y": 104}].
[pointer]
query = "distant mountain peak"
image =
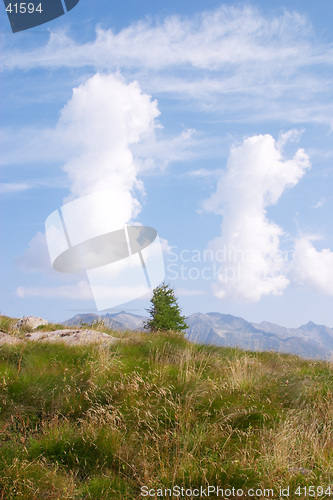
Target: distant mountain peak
[{"x": 312, "y": 324}]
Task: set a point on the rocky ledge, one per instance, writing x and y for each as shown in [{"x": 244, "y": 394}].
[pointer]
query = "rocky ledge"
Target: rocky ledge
[{"x": 67, "y": 336}]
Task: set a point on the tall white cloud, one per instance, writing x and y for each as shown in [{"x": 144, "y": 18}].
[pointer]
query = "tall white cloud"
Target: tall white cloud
[
  {"x": 252, "y": 262},
  {"x": 97, "y": 128},
  {"x": 100, "y": 123}
]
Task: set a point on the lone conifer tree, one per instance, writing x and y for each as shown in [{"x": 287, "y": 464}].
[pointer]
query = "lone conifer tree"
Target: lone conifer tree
[{"x": 164, "y": 311}]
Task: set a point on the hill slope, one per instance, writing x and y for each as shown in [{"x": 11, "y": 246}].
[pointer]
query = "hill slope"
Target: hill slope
[{"x": 156, "y": 411}]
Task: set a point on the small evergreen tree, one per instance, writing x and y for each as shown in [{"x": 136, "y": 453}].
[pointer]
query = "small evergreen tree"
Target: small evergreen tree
[{"x": 164, "y": 311}]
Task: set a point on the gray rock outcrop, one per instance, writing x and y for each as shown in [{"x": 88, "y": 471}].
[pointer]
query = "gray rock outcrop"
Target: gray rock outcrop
[
  {"x": 29, "y": 322},
  {"x": 72, "y": 337}
]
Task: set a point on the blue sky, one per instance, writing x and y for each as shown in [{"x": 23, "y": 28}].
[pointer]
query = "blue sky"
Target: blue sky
[{"x": 211, "y": 122}]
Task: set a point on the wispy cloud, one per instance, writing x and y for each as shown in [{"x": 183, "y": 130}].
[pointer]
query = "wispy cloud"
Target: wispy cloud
[
  {"x": 320, "y": 203},
  {"x": 153, "y": 151},
  {"x": 79, "y": 291},
  {"x": 28, "y": 145},
  {"x": 13, "y": 187},
  {"x": 203, "y": 173},
  {"x": 185, "y": 292},
  {"x": 162, "y": 150},
  {"x": 230, "y": 59},
  {"x": 228, "y": 35}
]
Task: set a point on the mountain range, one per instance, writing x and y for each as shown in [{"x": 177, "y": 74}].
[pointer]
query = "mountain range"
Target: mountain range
[{"x": 308, "y": 341}]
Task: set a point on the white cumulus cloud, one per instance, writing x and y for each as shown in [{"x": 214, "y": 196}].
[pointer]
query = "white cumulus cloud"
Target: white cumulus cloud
[
  {"x": 97, "y": 127},
  {"x": 256, "y": 176},
  {"x": 313, "y": 268},
  {"x": 102, "y": 120}
]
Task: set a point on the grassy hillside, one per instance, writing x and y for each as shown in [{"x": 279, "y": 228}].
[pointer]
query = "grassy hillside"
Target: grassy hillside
[{"x": 92, "y": 422}]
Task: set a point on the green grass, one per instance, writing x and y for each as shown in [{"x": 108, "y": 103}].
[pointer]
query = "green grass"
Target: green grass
[
  {"x": 50, "y": 328},
  {"x": 93, "y": 422},
  {"x": 6, "y": 323}
]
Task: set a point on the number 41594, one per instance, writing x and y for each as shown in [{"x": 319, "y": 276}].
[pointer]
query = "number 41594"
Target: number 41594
[
  {"x": 22, "y": 8},
  {"x": 314, "y": 491}
]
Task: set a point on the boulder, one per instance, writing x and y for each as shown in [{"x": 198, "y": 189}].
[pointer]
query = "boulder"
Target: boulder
[{"x": 29, "y": 322}]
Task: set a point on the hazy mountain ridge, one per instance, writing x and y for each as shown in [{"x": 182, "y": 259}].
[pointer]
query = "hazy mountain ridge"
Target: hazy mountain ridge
[
  {"x": 309, "y": 341},
  {"x": 118, "y": 321}
]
